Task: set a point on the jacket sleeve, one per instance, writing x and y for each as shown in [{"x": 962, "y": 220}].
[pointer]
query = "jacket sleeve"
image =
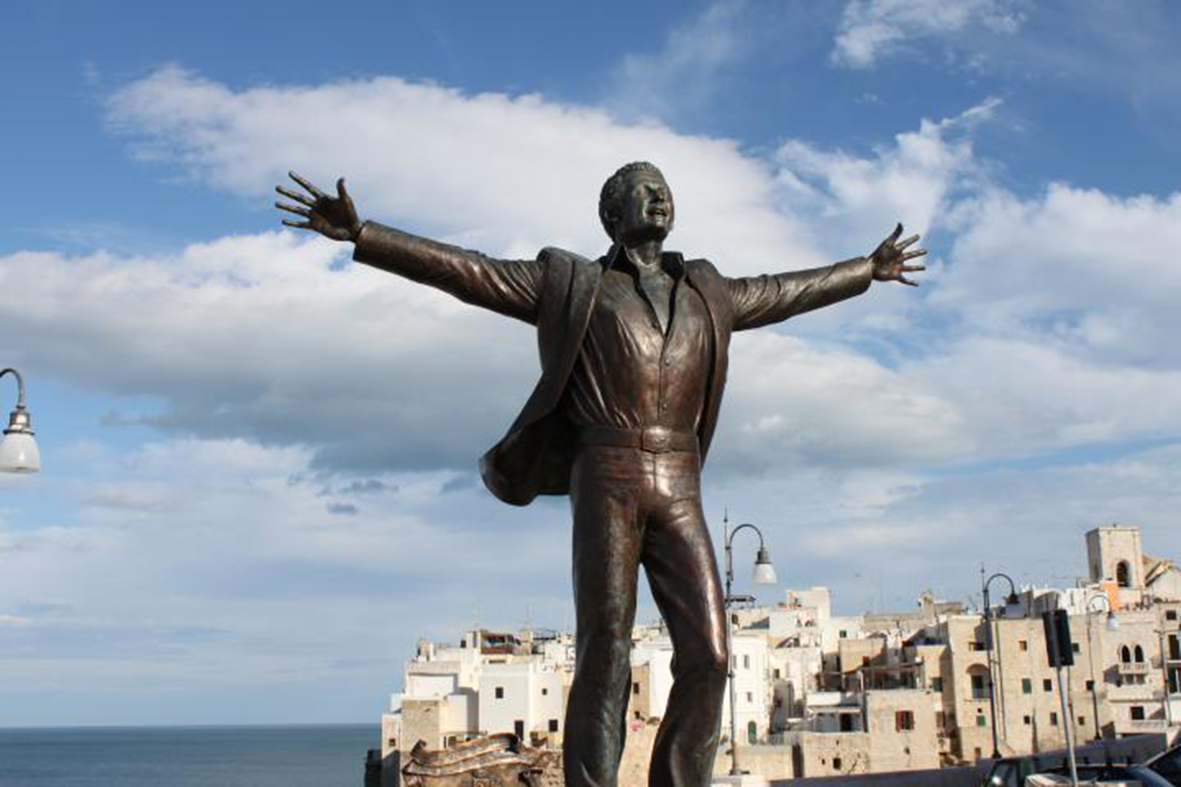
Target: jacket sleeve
[
  {"x": 508, "y": 287},
  {"x": 762, "y": 300}
]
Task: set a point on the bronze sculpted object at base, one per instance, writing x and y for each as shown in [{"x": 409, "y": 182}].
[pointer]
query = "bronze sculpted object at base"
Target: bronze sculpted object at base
[{"x": 634, "y": 347}]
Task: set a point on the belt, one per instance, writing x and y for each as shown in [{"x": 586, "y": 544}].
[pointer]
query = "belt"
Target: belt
[{"x": 654, "y": 439}]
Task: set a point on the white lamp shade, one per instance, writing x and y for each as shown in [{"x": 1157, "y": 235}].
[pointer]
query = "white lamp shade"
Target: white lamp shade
[
  {"x": 765, "y": 574},
  {"x": 19, "y": 454},
  {"x": 1112, "y": 623}
]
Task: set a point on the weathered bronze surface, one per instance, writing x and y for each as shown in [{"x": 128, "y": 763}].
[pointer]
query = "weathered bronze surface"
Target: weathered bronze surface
[
  {"x": 491, "y": 761},
  {"x": 634, "y": 349}
]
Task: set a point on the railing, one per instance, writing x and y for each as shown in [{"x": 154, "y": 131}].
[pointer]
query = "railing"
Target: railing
[
  {"x": 1142, "y": 725},
  {"x": 1134, "y": 667}
]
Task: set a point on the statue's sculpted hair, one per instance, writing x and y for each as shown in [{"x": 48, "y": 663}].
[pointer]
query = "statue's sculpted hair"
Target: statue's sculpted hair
[{"x": 610, "y": 196}]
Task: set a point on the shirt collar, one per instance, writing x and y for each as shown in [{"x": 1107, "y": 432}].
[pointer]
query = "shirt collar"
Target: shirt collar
[{"x": 673, "y": 262}]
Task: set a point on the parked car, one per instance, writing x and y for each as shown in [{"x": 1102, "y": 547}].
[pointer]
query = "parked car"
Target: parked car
[
  {"x": 1115, "y": 774},
  {"x": 1168, "y": 765},
  {"x": 1013, "y": 771}
]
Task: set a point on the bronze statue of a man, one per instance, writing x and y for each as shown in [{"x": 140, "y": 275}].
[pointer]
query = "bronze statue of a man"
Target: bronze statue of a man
[{"x": 633, "y": 357}]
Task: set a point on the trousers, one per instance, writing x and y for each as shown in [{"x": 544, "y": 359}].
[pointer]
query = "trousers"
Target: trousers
[{"x": 635, "y": 508}]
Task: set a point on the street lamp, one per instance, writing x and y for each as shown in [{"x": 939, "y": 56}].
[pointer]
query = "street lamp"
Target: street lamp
[
  {"x": 763, "y": 574},
  {"x": 18, "y": 449},
  {"x": 1112, "y": 624},
  {"x": 1010, "y": 600}
]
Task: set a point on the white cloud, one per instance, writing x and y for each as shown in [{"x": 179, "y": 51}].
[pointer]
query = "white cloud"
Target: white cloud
[
  {"x": 684, "y": 71},
  {"x": 212, "y": 566},
  {"x": 870, "y": 29},
  {"x": 292, "y": 386}
]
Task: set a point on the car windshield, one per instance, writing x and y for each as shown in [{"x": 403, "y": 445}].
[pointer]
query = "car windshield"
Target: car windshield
[{"x": 1119, "y": 774}]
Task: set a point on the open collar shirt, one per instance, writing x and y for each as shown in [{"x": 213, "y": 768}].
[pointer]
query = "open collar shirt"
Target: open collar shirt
[{"x": 630, "y": 372}]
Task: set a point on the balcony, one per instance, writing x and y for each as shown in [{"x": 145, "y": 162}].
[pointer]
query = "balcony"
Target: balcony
[
  {"x": 1134, "y": 667},
  {"x": 1142, "y": 726}
]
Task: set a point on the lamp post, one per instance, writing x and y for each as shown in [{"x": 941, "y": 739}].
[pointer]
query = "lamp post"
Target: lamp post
[
  {"x": 1009, "y": 600},
  {"x": 18, "y": 449},
  {"x": 764, "y": 574},
  {"x": 1112, "y": 624}
]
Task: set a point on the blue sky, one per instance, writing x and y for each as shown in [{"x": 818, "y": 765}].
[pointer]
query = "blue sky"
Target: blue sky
[{"x": 259, "y": 460}]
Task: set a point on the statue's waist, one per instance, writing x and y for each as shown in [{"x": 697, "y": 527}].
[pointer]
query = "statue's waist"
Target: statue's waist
[{"x": 654, "y": 439}]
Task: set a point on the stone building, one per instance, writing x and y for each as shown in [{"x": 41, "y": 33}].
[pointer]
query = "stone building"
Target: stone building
[{"x": 820, "y": 694}]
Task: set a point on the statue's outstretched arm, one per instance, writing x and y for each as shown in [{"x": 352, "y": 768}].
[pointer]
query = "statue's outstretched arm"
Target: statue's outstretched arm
[
  {"x": 509, "y": 287},
  {"x": 762, "y": 300}
]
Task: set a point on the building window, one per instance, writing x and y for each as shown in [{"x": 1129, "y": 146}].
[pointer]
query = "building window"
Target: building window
[
  {"x": 981, "y": 720},
  {"x": 1023, "y": 644},
  {"x": 745, "y": 661},
  {"x": 936, "y": 684},
  {"x": 1122, "y": 573},
  {"x": 1053, "y": 719},
  {"x": 775, "y": 674},
  {"x": 750, "y": 697},
  {"x": 1139, "y": 655},
  {"x": 1090, "y": 685},
  {"x": 1125, "y": 655},
  {"x": 519, "y": 728},
  {"x": 1047, "y": 684},
  {"x": 635, "y": 688},
  {"x": 752, "y": 733},
  {"x": 500, "y": 692},
  {"x": 553, "y": 725},
  {"x": 836, "y": 763},
  {"x": 1082, "y": 721},
  {"x": 545, "y": 692},
  {"x": 844, "y": 633},
  {"x": 1027, "y": 720},
  {"x": 1026, "y": 686},
  {"x": 903, "y": 721},
  {"x": 1137, "y": 712},
  {"x": 979, "y": 689},
  {"x": 1170, "y": 614},
  {"x": 1074, "y": 647},
  {"x": 1174, "y": 648}
]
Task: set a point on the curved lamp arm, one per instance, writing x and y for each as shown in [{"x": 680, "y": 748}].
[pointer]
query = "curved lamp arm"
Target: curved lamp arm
[
  {"x": 1010, "y": 599},
  {"x": 20, "y": 386},
  {"x": 18, "y": 450},
  {"x": 764, "y": 571}
]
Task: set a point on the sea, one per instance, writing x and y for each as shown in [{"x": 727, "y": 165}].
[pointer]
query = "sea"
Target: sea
[{"x": 287, "y": 756}]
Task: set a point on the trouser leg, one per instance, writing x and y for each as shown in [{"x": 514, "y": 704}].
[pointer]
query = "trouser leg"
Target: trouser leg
[
  {"x": 605, "y": 499},
  {"x": 682, "y": 572}
]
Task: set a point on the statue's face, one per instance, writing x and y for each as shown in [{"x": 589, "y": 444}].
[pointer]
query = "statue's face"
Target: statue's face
[{"x": 646, "y": 209}]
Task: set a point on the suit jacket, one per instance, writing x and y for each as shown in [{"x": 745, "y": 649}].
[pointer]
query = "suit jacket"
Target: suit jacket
[{"x": 557, "y": 293}]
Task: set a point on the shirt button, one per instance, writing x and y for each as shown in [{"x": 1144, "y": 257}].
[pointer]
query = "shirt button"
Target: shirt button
[{"x": 668, "y": 361}]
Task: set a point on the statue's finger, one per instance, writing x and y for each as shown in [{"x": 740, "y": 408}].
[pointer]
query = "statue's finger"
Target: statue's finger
[
  {"x": 294, "y": 209},
  {"x": 902, "y": 244},
  {"x": 303, "y": 225},
  {"x": 295, "y": 195},
  {"x": 905, "y": 280},
  {"x": 912, "y": 268},
  {"x": 897, "y": 233},
  {"x": 307, "y": 184},
  {"x": 910, "y": 255}
]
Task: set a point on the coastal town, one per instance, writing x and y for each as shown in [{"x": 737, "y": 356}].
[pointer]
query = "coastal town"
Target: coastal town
[{"x": 822, "y": 694}]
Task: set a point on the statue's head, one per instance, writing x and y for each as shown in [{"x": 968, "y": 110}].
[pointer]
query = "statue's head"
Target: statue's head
[{"x": 636, "y": 204}]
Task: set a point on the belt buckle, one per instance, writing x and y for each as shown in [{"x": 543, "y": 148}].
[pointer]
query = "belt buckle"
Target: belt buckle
[{"x": 656, "y": 440}]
